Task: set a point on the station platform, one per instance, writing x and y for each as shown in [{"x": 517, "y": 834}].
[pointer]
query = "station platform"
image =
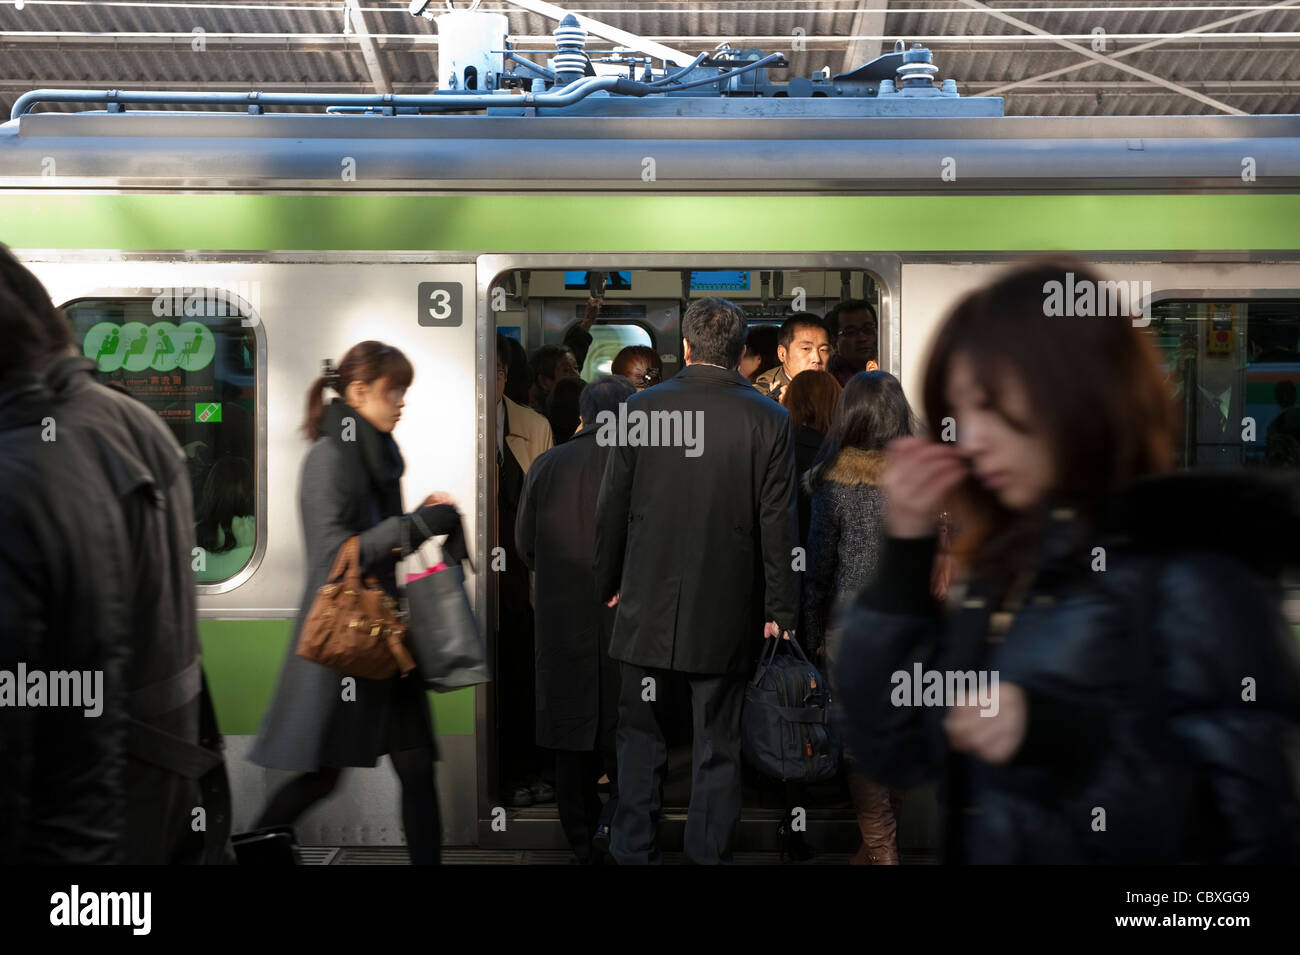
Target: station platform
[{"x": 469, "y": 855}]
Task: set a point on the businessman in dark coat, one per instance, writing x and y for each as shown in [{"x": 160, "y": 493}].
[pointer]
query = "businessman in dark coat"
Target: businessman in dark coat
[
  {"x": 695, "y": 527},
  {"x": 577, "y": 682}
]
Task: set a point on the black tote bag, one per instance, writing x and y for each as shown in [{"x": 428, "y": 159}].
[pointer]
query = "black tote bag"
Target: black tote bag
[{"x": 442, "y": 632}]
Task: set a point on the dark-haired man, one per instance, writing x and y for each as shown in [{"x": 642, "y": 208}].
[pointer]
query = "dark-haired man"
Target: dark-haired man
[
  {"x": 577, "y": 682},
  {"x": 550, "y": 364},
  {"x": 802, "y": 344},
  {"x": 693, "y": 543},
  {"x": 853, "y": 329}
]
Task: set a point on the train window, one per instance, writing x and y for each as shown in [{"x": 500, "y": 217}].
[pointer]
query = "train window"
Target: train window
[
  {"x": 606, "y": 342},
  {"x": 1234, "y": 368},
  {"x": 193, "y": 362}
]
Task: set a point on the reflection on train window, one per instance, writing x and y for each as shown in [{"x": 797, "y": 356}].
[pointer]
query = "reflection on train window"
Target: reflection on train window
[
  {"x": 1234, "y": 369},
  {"x": 606, "y": 342},
  {"x": 192, "y": 362}
]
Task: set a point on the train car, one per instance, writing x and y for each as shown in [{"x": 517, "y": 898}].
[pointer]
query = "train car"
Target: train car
[{"x": 210, "y": 260}]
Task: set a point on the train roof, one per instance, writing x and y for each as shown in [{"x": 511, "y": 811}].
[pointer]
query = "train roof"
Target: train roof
[
  {"x": 795, "y": 145},
  {"x": 717, "y": 124}
]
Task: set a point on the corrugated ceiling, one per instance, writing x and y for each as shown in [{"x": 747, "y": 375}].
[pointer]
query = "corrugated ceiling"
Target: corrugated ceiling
[{"x": 305, "y": 45}]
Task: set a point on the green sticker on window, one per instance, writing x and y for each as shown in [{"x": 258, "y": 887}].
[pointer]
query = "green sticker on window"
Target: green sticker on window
[{"x": 207, "y": 412}]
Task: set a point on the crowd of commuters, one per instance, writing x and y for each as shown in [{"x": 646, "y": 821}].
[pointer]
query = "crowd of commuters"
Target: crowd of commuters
[{"x": 1146, "y": 684}]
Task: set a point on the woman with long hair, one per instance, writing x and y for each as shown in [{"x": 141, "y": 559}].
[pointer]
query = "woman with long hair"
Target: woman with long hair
[
  {"x": 844, "y": 540},
  {"x": 1114, "y": 683},
  {"x": 811, "y": 400},
  {"x": 351, "y": 487}
]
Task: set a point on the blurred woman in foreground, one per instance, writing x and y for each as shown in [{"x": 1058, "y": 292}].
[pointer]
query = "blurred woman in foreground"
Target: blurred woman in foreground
[{"x": 1135, "y": 683}]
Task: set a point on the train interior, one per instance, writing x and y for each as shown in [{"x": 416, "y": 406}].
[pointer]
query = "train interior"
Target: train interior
[{"x": 644, "y": 307}]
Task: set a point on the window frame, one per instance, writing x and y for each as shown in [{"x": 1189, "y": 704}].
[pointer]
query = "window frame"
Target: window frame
[
  {"x": 635, "y": 323},
  {"x": 1227, "y": 296},
  {"x": 252, "y": 320}
]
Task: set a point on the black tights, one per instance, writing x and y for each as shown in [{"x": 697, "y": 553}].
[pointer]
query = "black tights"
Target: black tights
[{"x": 420, "y": 814}]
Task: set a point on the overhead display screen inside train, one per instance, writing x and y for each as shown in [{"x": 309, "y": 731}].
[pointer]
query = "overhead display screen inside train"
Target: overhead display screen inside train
[{"x": 501, "y": 435}]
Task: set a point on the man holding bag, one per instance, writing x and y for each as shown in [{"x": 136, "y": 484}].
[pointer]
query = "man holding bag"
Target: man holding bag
[{"x": 693, "y": 545}]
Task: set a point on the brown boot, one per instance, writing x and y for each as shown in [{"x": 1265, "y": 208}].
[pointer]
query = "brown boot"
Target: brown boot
[{"x": 876, "y": 822}]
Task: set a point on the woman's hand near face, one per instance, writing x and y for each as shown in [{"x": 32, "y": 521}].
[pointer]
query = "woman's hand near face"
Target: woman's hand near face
[{"x": 918, "y": 475}]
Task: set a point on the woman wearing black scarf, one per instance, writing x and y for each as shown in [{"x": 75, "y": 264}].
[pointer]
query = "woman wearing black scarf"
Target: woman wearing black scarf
[{"x": 351, "y": 487}]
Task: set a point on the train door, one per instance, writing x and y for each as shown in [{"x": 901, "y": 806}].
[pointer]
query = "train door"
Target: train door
[{"x": 540, "y": 307}]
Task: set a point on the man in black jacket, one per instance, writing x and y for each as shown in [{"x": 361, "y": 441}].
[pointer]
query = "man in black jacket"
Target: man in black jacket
[
  {"x": 695, "y": 526},
  {"x": 577, "y": 682},
  {"x": 95, "y": 575}
]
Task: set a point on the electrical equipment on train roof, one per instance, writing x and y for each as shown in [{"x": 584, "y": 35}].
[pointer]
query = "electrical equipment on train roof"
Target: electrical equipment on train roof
[{"x": 479, "y": 69}]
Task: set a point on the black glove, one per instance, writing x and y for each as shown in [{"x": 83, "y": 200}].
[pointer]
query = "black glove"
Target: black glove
[
  {"x": 454, "y": 548},
  {"x": 438, "y": 519}
]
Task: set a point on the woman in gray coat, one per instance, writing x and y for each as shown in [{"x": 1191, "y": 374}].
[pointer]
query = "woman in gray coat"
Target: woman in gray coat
[
  {"x": 351, "y": 487},
  {"x": 844, "y": 539}
]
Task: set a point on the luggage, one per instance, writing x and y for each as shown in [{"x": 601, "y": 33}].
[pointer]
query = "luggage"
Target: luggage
[
  {"x": 442, "y": 633},
  {"x": 786, "y": 728}
]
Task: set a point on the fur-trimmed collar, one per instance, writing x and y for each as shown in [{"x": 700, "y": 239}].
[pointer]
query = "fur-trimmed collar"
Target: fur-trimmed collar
[{"x": 851, "y": 466}]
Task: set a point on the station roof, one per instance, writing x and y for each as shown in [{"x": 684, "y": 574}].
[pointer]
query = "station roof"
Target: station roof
[{"x": 1125, "y": 57}]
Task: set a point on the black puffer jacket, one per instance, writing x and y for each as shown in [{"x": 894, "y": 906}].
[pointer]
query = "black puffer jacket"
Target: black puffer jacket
[{"x": 1163, "y": 692}]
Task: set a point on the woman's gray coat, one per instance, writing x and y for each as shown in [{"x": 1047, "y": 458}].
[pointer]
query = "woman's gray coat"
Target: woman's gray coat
[{"x": 309, "y": 723}]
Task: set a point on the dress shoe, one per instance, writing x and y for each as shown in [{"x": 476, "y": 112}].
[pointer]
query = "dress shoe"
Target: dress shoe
[
  {"x": 542, "y": 791},
  {"x": 519, "y": 796}
]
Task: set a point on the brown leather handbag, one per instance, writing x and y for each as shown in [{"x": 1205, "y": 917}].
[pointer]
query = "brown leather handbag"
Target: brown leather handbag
[{"x": 353, "y": 626}]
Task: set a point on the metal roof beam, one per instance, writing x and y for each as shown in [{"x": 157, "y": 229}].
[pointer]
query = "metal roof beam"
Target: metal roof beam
[
  {"x": 1203, "y": 28},
  {"x": 1102, "y": 58},
  {"x": 868, "y": 20},
  {"x": 374, "y": 65}
]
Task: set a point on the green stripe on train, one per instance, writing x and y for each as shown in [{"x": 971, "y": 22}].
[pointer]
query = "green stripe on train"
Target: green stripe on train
[
  {"x": 651, "y": 222},
  {"x": 243, "y": 659}
]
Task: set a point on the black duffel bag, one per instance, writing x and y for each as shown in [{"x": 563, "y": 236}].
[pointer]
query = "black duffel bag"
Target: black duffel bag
[{"x": 785, "y": 727}]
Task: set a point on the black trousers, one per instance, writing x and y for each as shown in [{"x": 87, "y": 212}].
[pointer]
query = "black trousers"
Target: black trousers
[
  {"x": 520, "y": 758},
  {"x": 714, "y": 808},
  {"x": 576, "y": 797},
  {"x": 577, "y": 801},
  {"x": 420, "y": 815}
]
